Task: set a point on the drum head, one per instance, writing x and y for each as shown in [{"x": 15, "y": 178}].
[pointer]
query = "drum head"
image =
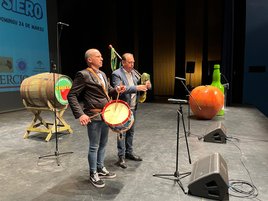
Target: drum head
[
  {"x": 125, "y": 127},
  {"x": 116, "y": 112}
]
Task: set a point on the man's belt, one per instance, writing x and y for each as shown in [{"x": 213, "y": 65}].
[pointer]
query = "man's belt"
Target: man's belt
[{"x": 95, "y": 110}]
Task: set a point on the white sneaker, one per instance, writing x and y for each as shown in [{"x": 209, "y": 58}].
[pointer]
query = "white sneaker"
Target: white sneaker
[
  {"x": 95, "y": 180},
  {"x": 105, "y": 174}
]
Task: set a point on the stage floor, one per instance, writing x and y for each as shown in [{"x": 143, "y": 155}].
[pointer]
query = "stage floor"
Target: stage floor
[{"x": 25, "y": 177}]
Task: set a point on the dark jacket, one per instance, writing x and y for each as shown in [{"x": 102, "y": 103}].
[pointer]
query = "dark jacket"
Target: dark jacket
[
  {"x": 87, "y": 89},
  {"x": 119, "y": 76}
]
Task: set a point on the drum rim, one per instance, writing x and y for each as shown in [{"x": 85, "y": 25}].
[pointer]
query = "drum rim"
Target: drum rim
[
  {"x": 124, "y": 130},
  {"x": 116, "y": 101}
]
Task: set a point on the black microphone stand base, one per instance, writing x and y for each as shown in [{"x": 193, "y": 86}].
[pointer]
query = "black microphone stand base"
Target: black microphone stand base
[
  {"x": 177, "y": 178},
  {"x": 56, "y": 154}
]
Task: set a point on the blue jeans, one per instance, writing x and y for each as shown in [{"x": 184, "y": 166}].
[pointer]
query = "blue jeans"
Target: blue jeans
[
  {"x": 98, "y": 138},
  {"x": 125, "y": 144}
]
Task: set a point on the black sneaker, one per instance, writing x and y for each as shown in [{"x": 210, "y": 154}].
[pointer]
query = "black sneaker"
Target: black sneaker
[
  {"x": 133, "y": 157},
  {"x": 121, "y": 162},
  {"x": 105, "y": 174},
  {"x": 95, "y": 180}
]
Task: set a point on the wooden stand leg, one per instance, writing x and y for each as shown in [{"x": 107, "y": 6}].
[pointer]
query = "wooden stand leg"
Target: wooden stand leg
[
  {"x": 38, "y": 124},
  {"x": 35, "y": 126}
]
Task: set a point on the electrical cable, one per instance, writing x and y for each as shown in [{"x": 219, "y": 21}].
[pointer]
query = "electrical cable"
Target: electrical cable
[{"x": 241, "y": 188}]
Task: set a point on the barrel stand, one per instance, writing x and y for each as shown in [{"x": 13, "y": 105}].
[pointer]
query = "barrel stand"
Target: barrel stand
[{"x": 38, "y": 124}]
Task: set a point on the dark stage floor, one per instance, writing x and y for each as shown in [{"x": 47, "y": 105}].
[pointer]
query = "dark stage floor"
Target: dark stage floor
[{"x": 25, "y": 177}]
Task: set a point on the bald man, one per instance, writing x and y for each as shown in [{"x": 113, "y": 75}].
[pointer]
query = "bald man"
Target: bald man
[{"x": 92, "y": 88}]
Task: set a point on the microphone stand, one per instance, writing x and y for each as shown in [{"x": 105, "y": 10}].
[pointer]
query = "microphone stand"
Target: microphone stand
[
  {"x": 226, "y": 86},
  {"x": 178, "y": 176},
  {"x": 54, "y": 70},
  {"x": 189, "y": 95}
]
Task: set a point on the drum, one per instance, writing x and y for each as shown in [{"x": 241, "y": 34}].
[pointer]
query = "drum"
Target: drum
[{"x": 118, "y": 116}]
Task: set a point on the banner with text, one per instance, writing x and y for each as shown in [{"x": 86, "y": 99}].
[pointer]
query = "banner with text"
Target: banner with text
[{"x": 24, "y": 49}]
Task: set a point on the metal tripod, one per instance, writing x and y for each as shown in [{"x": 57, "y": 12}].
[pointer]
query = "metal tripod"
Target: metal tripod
[{"x": 177, "y": 175}]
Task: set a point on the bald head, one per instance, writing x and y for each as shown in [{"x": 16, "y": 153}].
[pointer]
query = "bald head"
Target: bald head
[
  {"x": 90, "y": 52},
  {"x": 93, "y": 58}
]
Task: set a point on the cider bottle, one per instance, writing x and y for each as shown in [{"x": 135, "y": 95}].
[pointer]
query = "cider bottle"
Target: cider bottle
[{"x": 216, "y": 81}]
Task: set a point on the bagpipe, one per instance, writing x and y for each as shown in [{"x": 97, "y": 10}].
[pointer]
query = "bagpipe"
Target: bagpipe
[{"x": 144, "y": 77}]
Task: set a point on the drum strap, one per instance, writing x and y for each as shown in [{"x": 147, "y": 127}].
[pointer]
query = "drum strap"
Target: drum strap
[{"x": 100, "y": 81}]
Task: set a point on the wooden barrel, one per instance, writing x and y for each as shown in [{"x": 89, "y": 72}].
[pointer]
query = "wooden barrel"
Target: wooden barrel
[{"x": 42, "y": 88}]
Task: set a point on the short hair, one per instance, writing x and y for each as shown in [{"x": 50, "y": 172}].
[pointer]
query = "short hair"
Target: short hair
[{"x": 124, "y": 56}]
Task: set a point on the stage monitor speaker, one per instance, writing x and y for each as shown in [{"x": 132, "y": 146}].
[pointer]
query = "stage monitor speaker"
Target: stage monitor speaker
[
  {"x": 190, "y": 66},
  {"x": 209, "y": 178},
  {"x": 216, "y": 133}
]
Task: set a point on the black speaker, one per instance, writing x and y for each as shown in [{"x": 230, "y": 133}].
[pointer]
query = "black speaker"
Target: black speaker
[
  {"x": 190, "y": 66},
  {"x": 216, "y": 133},
  {"x": 209, "y": 178}
]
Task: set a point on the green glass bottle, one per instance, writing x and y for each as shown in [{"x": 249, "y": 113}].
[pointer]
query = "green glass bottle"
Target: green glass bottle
[{"x": 216, "y": 81}]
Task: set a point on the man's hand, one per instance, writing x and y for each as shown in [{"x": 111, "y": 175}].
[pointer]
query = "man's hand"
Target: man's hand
[
  {"x": 148, "y": 84},
  {"x": 141, "y": 87},
  {"x": 121, "y": 88},
  {"x": 84, "y": 120}
]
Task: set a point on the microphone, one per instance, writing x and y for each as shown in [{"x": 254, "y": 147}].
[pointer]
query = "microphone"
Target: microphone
[
  {"x": 177, "y": 100},
  {"x": 62, "y": 23},
  {"x": 180, "y": 78}
]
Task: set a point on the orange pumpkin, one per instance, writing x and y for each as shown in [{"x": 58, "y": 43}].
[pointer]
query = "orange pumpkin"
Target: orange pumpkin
[{"x": 206, "y": 101}]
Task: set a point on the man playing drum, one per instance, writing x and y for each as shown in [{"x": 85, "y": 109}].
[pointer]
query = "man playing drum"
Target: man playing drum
[{"x": 92, "y": 88}]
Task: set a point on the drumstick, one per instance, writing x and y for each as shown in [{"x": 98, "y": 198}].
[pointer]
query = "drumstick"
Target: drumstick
[
  {"x": 116, "y": 103},
  {"x": 95, "y": 115},
  {"x": 120, "y": 84},
  {"x": 117, "y": 96}
]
